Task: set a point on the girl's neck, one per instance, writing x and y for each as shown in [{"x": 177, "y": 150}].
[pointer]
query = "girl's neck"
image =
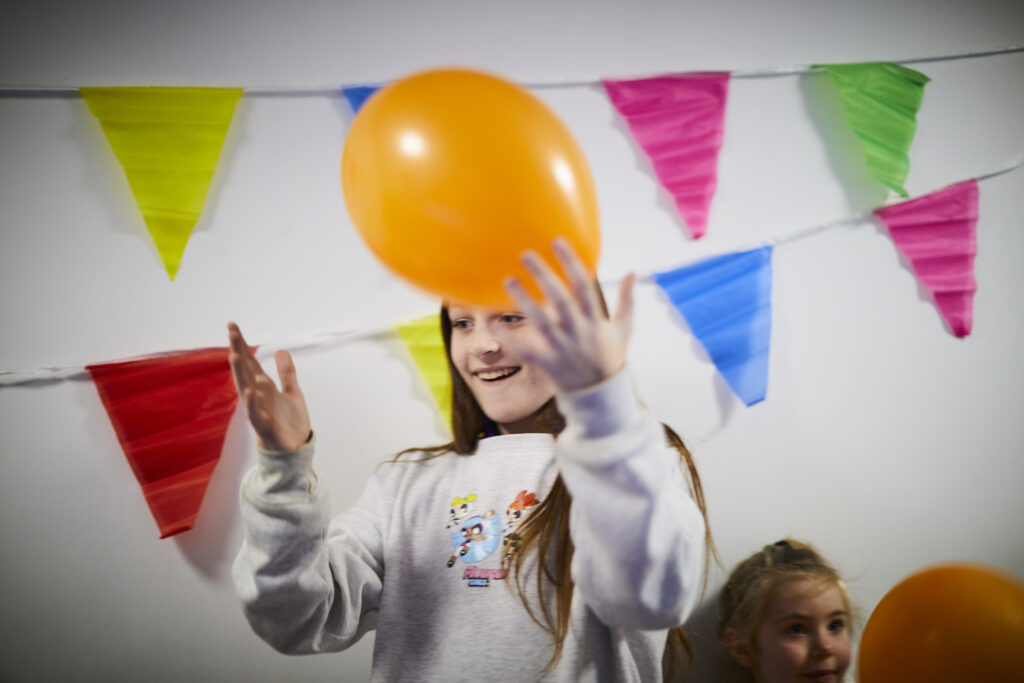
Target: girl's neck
[
  {"x": 547, "y": 420},
  {"x": 527, "y": 425}
]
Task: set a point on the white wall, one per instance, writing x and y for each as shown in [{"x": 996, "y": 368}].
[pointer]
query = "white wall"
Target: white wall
[{"x": 884, "y": 440}]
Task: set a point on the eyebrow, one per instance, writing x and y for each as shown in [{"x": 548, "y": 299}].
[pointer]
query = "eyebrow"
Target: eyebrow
[{"x": 797, "y": 615}]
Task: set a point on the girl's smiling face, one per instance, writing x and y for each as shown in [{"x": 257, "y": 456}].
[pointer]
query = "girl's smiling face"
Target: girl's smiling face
[
  {"x": 509, "y": 390},
  {"x": 805, "y": 635}
]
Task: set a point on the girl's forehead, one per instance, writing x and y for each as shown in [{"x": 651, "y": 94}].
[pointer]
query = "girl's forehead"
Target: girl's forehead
[
  {"x": 459, "y": 310},
  {"x": 808, "y": 593}
]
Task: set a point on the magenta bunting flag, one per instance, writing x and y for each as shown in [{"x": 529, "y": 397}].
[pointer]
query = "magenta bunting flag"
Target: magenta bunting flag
[
  {"x": 171, "y": 415},
  {"x": 937, "y": 235},
  {"x": 679, "y": 121}
]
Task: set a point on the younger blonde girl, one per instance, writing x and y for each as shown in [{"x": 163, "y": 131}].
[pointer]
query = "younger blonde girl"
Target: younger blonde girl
[{"x": 784, "y": 615}]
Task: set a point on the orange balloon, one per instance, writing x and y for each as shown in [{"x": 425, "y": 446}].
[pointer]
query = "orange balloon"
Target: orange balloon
[
  {"x": 946, "y": 624},
  {"x": 450, "y": 175}
]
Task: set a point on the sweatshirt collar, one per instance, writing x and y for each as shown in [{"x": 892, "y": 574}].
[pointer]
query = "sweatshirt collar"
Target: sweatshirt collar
[{"x": 515, "y": 443}]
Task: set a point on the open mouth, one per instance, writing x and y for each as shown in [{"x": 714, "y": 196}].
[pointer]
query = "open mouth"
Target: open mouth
[
  {"x": 824, "y": 676},
  {"x": 496, "y": 375}
]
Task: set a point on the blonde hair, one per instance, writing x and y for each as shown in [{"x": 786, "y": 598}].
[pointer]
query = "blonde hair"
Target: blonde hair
[{"x": 751, "y": 588}]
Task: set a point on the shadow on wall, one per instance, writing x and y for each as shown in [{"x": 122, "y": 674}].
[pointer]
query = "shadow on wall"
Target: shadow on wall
[
  {"x": 924, "y": 294},
  {"x": 701, "y": 629},
  {"x": 725, "y": 399},
  {"x": 663, "y": 199},
  {"x": 843, "y": 148},
  {"x": 211, "y": 545},
  {"x": 712, "y": 663}
]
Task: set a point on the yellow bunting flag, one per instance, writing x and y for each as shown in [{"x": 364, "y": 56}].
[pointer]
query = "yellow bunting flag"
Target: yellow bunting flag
[
  {"x": 168, "y": 140},
  {"x": 422, "y": 338}
]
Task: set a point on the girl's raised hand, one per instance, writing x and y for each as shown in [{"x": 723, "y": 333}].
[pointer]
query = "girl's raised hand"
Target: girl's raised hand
[
  {"x": 280, "y": 418},
  {"x": 579, "y": 345}
]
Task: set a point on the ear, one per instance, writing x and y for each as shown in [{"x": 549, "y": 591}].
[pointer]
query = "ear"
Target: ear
[{"x": 738, "y": 648}]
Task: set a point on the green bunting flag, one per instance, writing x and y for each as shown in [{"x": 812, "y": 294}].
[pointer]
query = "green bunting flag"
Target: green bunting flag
[
  {"x": 422, "y": 338},
  {"x": 168, "y": 140},
  {"x": 881, "y": 100}
]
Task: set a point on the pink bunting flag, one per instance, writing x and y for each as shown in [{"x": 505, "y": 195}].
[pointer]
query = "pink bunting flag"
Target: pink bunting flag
[
  {"x": 937, "y": 235},
  {"x": 679, "y": 121}
]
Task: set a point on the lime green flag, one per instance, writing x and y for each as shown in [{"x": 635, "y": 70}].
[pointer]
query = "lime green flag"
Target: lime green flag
[
  {"x": 168, "y": 140},
  {"x": 881, "y": 100},
  {"x": 422, "y": 338}
]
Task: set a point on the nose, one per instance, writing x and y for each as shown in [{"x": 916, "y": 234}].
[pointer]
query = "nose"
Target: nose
[
  {"x": 823, "y": 645},
  {"x": 485, "y": 344}
]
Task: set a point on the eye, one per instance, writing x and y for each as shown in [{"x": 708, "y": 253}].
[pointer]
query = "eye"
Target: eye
[
  {"x": 837, "y": 625},
  {"x": 512, "y": 318},
  {"x": 461, "y": 324},
  {"x": 795, "y": 630}
]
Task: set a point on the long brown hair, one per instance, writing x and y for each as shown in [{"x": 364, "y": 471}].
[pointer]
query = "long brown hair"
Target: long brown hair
[{"x": 546, "y": 530}]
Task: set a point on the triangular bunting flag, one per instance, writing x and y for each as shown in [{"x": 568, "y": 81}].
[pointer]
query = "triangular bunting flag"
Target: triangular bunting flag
[
  {"x": 168, "y": 140},
  {"x": 726, "y": 301},
  {"x": 171, "y": 415},
  {"x": 679, "y": 121},
  {"x": 422, "y": 338},
  {"x": 937, "y": 235},
  {"x": 881, "y": 102},
  {"x": 358, "y": 95}
]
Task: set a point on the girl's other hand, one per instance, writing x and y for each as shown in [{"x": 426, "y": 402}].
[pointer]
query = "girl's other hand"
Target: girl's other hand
[
  {"x": 280, "y": 418},
  {"x": 579, "y": 344}
]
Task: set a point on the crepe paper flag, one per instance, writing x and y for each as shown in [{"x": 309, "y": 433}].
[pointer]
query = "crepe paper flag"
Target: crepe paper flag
[
  {"x": 679, "y": 121},
  {"x": 358, "y": 95},
  {"x": 936, "y": 233},
  {"x": 171, "y": 415},
  {"x": 169, "y": 141},
  {"x": 726, "y": 301},
  {"x": 422, "y": 337},
  {"x": 881, "y": 100}
]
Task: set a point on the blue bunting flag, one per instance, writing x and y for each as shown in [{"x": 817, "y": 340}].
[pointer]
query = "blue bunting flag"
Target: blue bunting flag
[
  {"x": 357, "y": 95},
  {"x": 726, "y": 301}
]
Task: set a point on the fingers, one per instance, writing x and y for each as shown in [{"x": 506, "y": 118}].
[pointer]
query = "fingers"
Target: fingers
[
  {"x": 239, "y": 357},
  {"x": 582, "y": 286},
  {"x": 235, "y": 340},
  {"x": 532, "y": 310},
  {"x": 624, "y": 308},
  {"x": 286, "y": 373},
  {"x": 260, "y": 419},
  {"x": 551, "y": 286}
]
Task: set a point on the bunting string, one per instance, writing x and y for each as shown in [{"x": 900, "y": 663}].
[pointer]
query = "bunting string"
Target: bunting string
[
  {"x": 325, "y": 340},
  {"x": 171, "y": 410},
  {"x": 320, "y": 90}
]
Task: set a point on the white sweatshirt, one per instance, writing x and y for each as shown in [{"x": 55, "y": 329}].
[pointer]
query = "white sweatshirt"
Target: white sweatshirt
[{"x": 418, "y": 557}]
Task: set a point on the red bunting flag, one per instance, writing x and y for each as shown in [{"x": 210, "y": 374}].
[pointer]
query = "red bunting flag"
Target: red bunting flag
[
  {"x": 937, "y": 235},
  {"x": 171, "y": 415},
  {"x": 679, "y": 121}
]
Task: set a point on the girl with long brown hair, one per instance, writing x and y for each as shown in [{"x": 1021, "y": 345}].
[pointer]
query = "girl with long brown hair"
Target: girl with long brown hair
[{"x": 561, "y": 535}]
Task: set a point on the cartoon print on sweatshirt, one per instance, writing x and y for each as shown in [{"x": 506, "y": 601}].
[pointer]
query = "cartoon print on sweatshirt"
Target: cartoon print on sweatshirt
[
  {"x": 514, "y": 515},
  {"x": 476, "y": 538},
  {"x": 460, "y": 509}
]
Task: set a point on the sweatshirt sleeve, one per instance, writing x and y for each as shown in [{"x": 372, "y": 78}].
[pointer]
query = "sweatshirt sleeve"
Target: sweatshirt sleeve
[
  {"x": 638, "y": 534},
  {"x": 306, "y": 585}
]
